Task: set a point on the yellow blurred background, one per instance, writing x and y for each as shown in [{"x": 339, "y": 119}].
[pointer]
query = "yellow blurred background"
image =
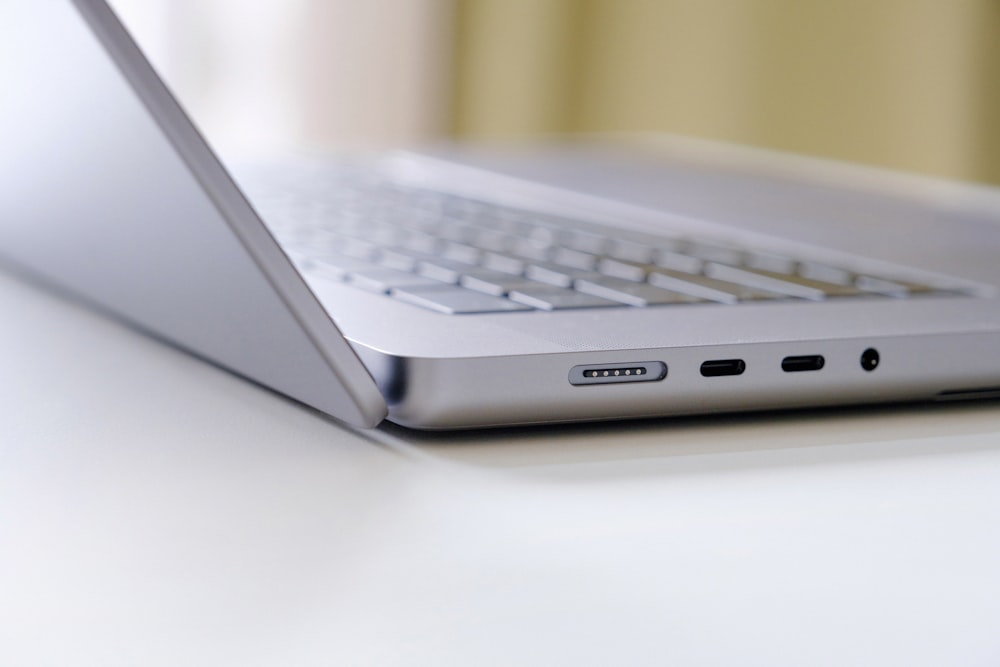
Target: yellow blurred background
[{"x": 906, "y": 84}]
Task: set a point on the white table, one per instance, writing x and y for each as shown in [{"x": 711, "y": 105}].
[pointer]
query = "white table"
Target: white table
[{"x": 157, "y": 511}]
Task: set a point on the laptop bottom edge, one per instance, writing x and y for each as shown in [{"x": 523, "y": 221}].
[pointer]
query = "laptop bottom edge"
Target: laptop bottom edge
[{"x": 481, "y": 392}]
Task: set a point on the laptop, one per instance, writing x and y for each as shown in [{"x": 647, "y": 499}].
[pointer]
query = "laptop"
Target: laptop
[{"x": 466, "y": 288}]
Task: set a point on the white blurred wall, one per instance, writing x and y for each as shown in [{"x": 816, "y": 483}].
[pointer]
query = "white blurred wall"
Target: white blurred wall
[{"x": 291, "y": 74}]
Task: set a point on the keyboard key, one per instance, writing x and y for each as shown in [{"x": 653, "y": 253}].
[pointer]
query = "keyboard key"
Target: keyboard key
[
  {"x": 631, "y": 252},
  {"x": 381, "y": 236},
  {"x": 556, "y": 298},
  {"x": 503, "y": 263},
  {"x": 828, "y": 288},
  {"x": 710, "y": 288},
  {"x": 713, "y": 253},
  {"x": 400, "y": 259},
  {"x": 560, "y": 276},
  {"x": 575, "y": 259},
  {"x": 455, "y": 300},
  {"x": 585, "y": 242},
  {"x": 761, "y": 281},
  {"x": 460, "y": 252},
  {"x": 421, "y": 242},
  {"x": 358, "y": 248},
  {"x": 631, "y": 293},
  {"x": 620, "y": 269},
  {"x": 678, "y": 262},
  {"x": 770, "y": 262},
  {"x": 494, "y": 282},
  {"x": 825, "y": 273},
  {"x": 384, "y": 280},
  {"x": 544, "y": 236},
  {"x": 531, "y": 250},
  {"x": 452, "y": 230},
  {"x": 494, "y": 241},
  {"x": 445, "y": 270},
  {"x": 893, "y": 288}
]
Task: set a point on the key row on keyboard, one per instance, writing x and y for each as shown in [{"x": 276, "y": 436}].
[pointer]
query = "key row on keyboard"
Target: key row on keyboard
[
  {"x": 744, "y": 267},
  {"x": 564, "y": 264},
  {"x": 404, "y": 249},
  {"x": 458, "y": 255},
  {"x": 486, "y": 225},
  {"x": 564, "y": 246},
  {"x": 453, "y": 287}
]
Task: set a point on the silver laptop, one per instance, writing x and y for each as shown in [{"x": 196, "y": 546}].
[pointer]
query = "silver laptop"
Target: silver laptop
[{"x": 476, "y": 288}]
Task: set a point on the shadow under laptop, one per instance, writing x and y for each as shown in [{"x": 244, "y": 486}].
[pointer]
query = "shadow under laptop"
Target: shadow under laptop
[{"x": 715, "y": 442}]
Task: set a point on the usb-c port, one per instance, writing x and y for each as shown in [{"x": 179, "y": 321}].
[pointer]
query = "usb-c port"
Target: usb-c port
[
  {"x": 720, "y": 367},
  {"x": 811, "y": 362}
]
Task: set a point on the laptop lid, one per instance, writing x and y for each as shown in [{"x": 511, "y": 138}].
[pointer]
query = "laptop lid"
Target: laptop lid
[{"x": 108, "y": 191}]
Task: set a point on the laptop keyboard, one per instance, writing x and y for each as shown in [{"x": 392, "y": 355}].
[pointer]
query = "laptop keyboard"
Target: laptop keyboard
[{"x": 458, "y": 255}]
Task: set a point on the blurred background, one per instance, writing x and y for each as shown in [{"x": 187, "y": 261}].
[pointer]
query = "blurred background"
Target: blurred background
[{"x": 904, "y": 84}]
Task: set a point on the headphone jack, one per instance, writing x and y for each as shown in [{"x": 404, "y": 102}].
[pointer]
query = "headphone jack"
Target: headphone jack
[{"x": 869, "y": 359}]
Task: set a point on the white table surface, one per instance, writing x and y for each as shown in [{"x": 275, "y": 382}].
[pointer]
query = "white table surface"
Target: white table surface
[{"x": 157, "y": 511}]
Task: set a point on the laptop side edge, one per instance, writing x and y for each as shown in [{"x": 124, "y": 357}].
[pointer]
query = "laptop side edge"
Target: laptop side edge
[{"x": 250, "y": 313}]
